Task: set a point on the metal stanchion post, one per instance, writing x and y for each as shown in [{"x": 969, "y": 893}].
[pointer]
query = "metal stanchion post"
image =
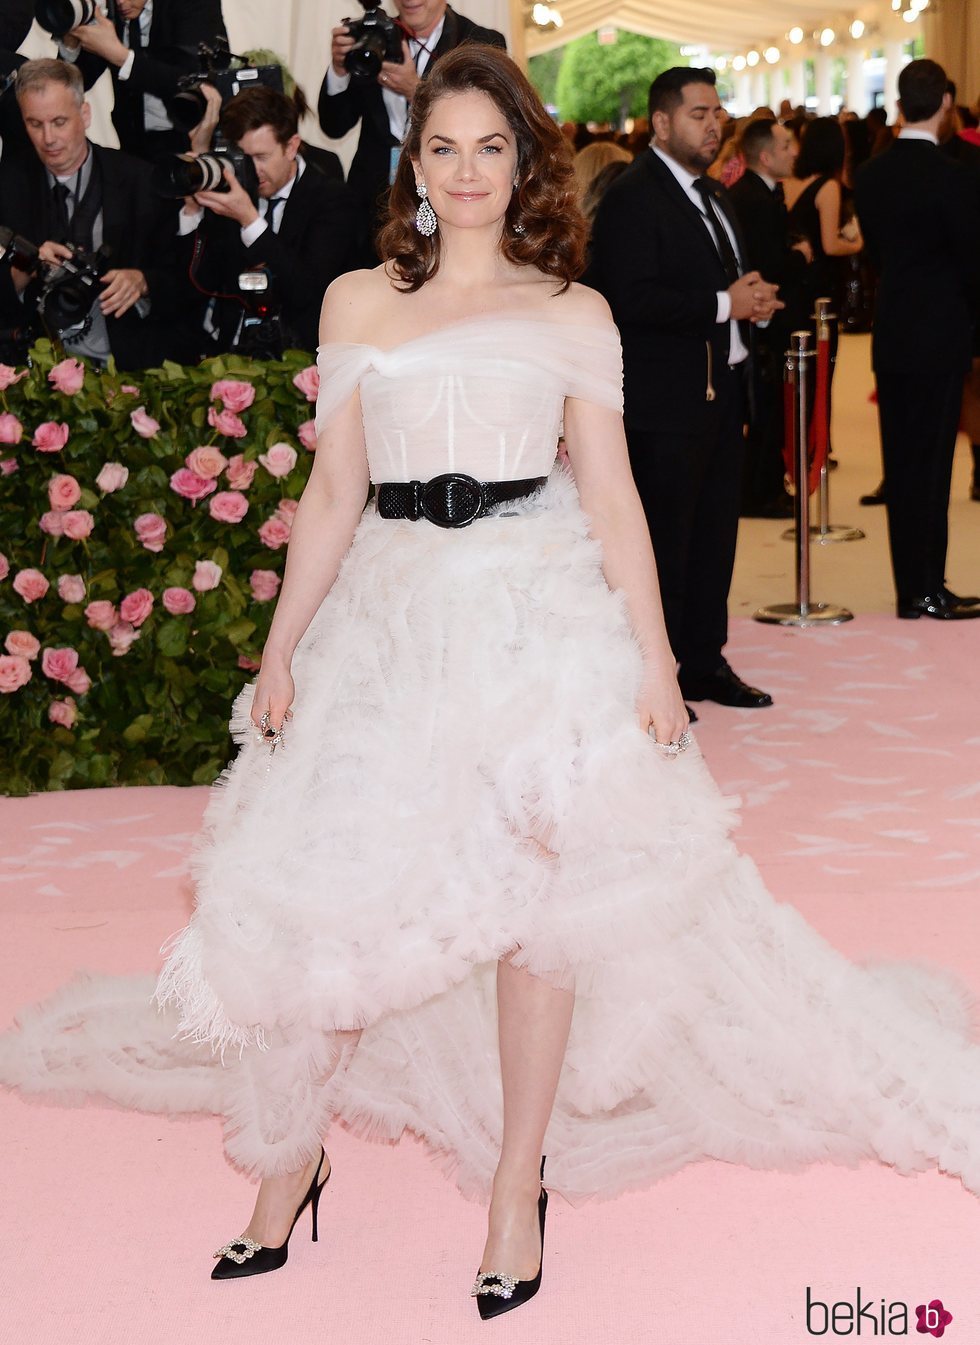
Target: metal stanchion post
[
  {"x": 803, "y": 612},
  {"x": 824, "y": 531}
]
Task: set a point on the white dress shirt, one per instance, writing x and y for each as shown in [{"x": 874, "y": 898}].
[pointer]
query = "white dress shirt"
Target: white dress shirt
[
  {"x": 737, "y": 351},
  {"x": 395, "y": 104},
  {"x": 909, "y": 133}
]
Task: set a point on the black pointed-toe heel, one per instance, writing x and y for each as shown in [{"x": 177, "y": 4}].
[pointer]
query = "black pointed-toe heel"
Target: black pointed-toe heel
[
  {"x": 496, "y": 1293},
  {"x": 244, "y": 1256}
]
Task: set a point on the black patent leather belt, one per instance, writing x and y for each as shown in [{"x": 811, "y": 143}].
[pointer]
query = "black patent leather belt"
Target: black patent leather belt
[{"x": 450, "y": 501}]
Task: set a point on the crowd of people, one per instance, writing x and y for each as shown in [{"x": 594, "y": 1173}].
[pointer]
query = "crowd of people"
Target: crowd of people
[{"x": 215, "y": 227}]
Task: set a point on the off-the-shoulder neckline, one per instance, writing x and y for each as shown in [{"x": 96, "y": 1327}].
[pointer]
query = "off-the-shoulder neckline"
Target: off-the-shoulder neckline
[{"x": 604, "y": 329}]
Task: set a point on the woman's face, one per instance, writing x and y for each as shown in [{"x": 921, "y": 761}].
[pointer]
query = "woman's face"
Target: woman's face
[{"x": 468, "y": 160}]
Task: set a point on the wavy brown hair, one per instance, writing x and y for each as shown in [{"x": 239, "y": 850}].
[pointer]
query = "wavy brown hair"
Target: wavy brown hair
[{"x": 544, "y": 201}]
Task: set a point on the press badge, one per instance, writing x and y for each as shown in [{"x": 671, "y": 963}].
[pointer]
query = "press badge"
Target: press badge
[{"x": 395, "y": 155}]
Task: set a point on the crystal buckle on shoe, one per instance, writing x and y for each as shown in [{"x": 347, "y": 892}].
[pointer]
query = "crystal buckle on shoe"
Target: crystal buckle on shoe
[
  {"x": 504, "y": 1288},
  {"x": 249, "y": 1250}
]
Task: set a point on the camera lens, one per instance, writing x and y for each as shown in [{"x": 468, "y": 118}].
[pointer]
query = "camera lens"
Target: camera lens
[
  {"x": 363, "y": 61},
  {"x": 183, "y": 175},
  {"x": 58, "y": 17}
]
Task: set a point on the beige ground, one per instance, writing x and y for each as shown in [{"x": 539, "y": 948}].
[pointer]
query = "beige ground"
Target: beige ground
[{"x": 854, "y": 574}]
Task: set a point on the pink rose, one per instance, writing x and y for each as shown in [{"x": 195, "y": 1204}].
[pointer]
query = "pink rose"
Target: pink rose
[
  {"x": 63, "y": 713},
  {"x": 274, "y": 533},
  {"x": 30, "y": 584},
  {"x": 71, "y": 588},
  {"x": 144, "y": 425},
  {"x": 15, "y": 671},
  {"x": 79, "y": 682},
  {"x": 265, "y": 585},
  {"x": 11, "y": 430},
  {"x": 190, "y": 485},
  {"x": 68, "y": 376},
  {"x": 287, "y": 510},
  {"x": 240, "y": 473},
  {"x": 228, "y": 506},
  {"x": 279, "y": 460},
  {"x": 22, "y": 644},
  {"x": 179, "y": 601},
  {"x": 207, "y": 575},
  {"x": 129, "y": 387},
  {"x": 308, "y": 382},
  {"x": 50, "y": 437},
  {"x": 136, "y": 606},
  {"x": 227, "y": 423},
  {"x": 9, "y": 376},
  {"x": 4, "y": 566},
  {"x": 121, "y": 637},
  {"x": 151, "y": 530},
  {"x": 206, "y": 461},
  {"x": 8, "y": 466},
  {"x": 248, "y": 664},
  {"x": 78, "y": 524},
  {"x": 53, "y": 523},
  {"x": 101, "y": 615},
  {"x": 235, "y": 395},
  {"x": 307, "y": 435},
  {"x": 59, "y": 664},
  {"x": 64, "y": 492},
  {"x": 113, "y": 476}
]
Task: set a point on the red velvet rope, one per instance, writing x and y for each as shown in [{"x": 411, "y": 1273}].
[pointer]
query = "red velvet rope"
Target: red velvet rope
[{"x": 818, "y": 434}]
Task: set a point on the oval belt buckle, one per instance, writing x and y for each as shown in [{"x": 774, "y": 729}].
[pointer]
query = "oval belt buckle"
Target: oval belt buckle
[{"x": 460, "y": 496}]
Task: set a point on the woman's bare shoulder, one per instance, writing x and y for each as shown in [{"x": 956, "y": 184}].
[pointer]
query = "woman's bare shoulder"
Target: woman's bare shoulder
[
  {"x": 579, "y": 303},
  {"x": 352, "y": 303}
]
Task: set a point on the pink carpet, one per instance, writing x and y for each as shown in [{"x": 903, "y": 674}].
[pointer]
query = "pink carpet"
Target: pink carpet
[{"x": 861, "y": 805}]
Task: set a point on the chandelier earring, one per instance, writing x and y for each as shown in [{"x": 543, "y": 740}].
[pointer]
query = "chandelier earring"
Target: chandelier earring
[{"x": 425, "y": 216}]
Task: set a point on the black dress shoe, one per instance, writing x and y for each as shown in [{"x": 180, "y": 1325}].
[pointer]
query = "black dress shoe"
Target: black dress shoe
[
  {"x": 725, "y": 687},
  {"x": 956, "y": 600},
  {"x": 937, "y": 606},
  {"x": 877, "y": 496}
]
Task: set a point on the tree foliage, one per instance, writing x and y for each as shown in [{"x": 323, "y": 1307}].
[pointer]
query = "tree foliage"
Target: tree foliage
[
  {"x": 609, "y": 83},
  {"x": 543, "y": 73}
]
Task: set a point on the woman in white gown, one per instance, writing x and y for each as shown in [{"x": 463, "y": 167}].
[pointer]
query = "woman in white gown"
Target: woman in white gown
[{"x": 465, "y": 879}]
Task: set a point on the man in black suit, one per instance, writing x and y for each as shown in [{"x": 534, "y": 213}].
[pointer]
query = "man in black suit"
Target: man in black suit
[
  {"x": 71, "y": 192},
  {"x": 147, "y": 45},
  {"x": 668, "y": 256},
  {"x": 920, "y": 217},
  {"x": 300, "y": 232},
  {"x": 15, "y": 24},
  {"x": 770, "y": 152},
  {"x": 381, "y": 105}
]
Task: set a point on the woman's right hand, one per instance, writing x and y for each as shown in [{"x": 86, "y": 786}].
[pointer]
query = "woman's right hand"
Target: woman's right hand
[{"x": 273, "y": 694}]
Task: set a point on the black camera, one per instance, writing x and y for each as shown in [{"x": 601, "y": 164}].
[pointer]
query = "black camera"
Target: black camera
[
  {"x": 71, "y": 288},
  {"x": 17, "y": 251},
  {"x": 377, "y": 37},
  {"x": 180, "y": 175},
  {"x": 58, "y": 17},
  {"x": 189, "y": 104}
]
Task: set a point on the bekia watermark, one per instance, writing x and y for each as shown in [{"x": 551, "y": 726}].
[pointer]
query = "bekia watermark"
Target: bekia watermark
[{"x": 871, "y": 1317}]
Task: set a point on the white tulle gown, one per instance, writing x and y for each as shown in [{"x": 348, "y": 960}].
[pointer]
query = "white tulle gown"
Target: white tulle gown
[{"x": 463, "y": 777}]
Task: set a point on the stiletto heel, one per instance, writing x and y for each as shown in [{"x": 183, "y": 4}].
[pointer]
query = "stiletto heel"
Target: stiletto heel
[
  {"x": 244, "y": 1256},
  {"x": 495, "y": 1292}
]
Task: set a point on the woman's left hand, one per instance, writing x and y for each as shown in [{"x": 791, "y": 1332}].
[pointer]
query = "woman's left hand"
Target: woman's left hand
[{"x": 661, "y": 708}]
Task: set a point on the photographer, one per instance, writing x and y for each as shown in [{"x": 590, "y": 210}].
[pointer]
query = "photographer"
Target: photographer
[
  {"x": 380, "y": 102},
  {"x": 149, "y": 46},
  {"x": 300, "y": 230},
  {"x": 70, "y": 194}
]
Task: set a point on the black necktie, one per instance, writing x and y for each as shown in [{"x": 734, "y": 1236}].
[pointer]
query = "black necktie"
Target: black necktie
[
  {"x": 779, "y": 194},
  {"x": 59, "y": 200},
  {"x": 134, "y": 35},
  {"x": 705, "y": 189},
  {"x": 270, "y": 211}
]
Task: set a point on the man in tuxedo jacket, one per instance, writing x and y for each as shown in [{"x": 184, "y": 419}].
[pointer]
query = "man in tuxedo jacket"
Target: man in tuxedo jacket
[
  {"x": 147, "y": 45},
  {"x": 69, "y": 191},
  {"x": 302, "y": 229},
  {"x": 381, "y": 105},
  {"x": 770, "y": 152},
  {"x": 668, "y": 256},
  {"x": 920, "y": 217}
]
